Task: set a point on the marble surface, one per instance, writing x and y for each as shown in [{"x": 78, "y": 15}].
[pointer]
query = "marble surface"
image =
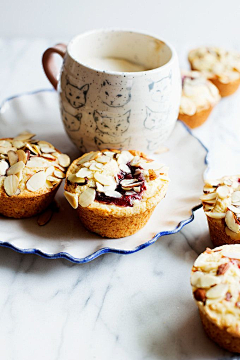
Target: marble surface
[{"x": 117, "y": 307}]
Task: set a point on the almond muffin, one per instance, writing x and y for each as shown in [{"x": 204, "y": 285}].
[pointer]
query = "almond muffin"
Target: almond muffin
[
  {"x": 220, "y": 66},
  {"x": 199, "y": 96},
  {"x": 115, "y": 192},
  {"x": 31, "y": 172},
  {"x": 215, "y": 281},
  {"x": 221, "y": 203}
]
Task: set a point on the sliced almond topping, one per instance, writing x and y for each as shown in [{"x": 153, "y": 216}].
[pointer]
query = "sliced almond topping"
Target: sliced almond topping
[
  {"x": 48, "y": 156},
  {"x": 99, "y": 186},
  {"x": 127, "y": 182},
  {"x": 12, "y": 157},
  {"x": 208, "y": 189},
  {"x": 5, "y": 143},
  {"x": 60, "y": 167},
  {"x": 11, "y": 185},
  {"x": 72, "y": 199},
  {"x": 227, "y": 182},
  {"x": 95, "y": 166},
  {"x": 45, "y": 217},
  {"x": 234, "y": 209},
  {"x": 154, "y": 165},
  {"x": 104, "y": 180},
  {"x": 18, "y": 144},
  {"x": 112, "y": 193},
  {"x": 88, "y": 157},
  {"x": 50, "y": 170},
  {"x": 24, "y": 136},
  {"x": 59, "y": 174},
  {"x": 84, "y": 172},
  {"x": 201, "y": 260},
  {"x": 32, "y": 149},
  {"x": 235, "y": 197},
  {"x": 230, "y": 254},
  {"x": 37, "y": 181},
  {"x": 109, "y": 153},
  {"x": 53, "y": 179},
  {"x": 212, "y": 182},
  {"x": 222, "y": 192},
  {"x": 38, "y": 162},
  {"x": 64, "y": 160},
  {"x": 202, "y": 280},
  {"x": 3, "y": 167},
  {"x": 22, "y": 156},
  {"x": 19, "y": 175},
  {"x": 215, "y": 215},
  {"x": 4, "y": 150},
  {"x": 124, "y": 157},
  {"x": 16, "y": 168},
  {"x": 207, "y": 197},
  {"x": 74, "y": 179},
  {"x": 103, "y": 159},
  {"x": 87, "y": 197},
  {"x": 124, "y": 168},
  {"x": 218, "y": 291},
  {"x": 137, "y": 189},
  {"x": 49, "y": 184}
]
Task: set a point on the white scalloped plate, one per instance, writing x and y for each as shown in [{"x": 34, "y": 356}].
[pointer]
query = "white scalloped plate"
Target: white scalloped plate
[{"x": 64, "y": 236}]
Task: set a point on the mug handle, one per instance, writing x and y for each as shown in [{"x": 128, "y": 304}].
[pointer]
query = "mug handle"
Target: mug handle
[{"x": 49, "y": 64}]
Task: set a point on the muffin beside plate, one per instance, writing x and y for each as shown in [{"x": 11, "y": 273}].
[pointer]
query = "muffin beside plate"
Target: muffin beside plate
[
  {"x": 31, "y": 172},
  {"x": 115, "y": 192},
  {"x": 221, "y": 204},
  {"x": 215, "y": 281},
  {"x": 220, "y": 66},
  {"x": 199, "y": 96}
]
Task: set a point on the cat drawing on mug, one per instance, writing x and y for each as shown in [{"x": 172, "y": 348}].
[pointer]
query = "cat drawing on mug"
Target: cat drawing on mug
[
  {"x": 77, "y": 97},
  {"x": 154, "y": 119},
  {"x": 116, "y": 98},
  {"x": 114, "y": 125},
  {"x": 159, "y": 90},
  {"x": 72, "y": 123}
]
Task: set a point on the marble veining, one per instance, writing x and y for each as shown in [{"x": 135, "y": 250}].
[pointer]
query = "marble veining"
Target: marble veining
[{"x": 132, "y": 307}]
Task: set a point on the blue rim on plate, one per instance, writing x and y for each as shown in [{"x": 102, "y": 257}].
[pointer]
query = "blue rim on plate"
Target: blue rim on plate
[{"x": 105, "y": 250}]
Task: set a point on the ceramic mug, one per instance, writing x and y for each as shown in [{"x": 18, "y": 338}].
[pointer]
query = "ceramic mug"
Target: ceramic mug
[{"x": 118, "y": 89}]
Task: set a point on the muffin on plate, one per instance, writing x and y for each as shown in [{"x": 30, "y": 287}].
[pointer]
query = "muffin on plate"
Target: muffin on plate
[
  {"x": 220, "y": 66},
  {"x": 199, "y": 96},
  {"x": 221, "y": 204},
  {"x": 215, "y": 281},
  {"x": 115, "y": 192},
  {"x": 31, "y": 172}
]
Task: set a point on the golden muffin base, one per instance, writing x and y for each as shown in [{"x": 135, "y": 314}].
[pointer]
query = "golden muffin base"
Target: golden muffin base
[
  {"x": 224, "y": 89},
  {"x": 197, "y": 119},
  {"x": 19, "y": 207},
  {"x": 220, "y": 335},
  {"x": 111, "y": 226},
  {"x": 218, "y": 234}
]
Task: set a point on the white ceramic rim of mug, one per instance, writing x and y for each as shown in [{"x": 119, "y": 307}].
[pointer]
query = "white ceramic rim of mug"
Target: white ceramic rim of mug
[{"x": 110, "y": 72}]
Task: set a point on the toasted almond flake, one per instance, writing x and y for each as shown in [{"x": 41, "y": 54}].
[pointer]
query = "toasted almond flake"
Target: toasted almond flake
[
  {"x": 103, "y": 159},
  {"x": 126, "y": 182},
  {"x": 154, "y": 165},
  {"x": 47, "y": 149},
  {"x": 2, "y": 156},
  {"x": 50, "y": 170},
  {"x": 4, "y": 150},
  {"x": 14, "y": 169},
  {"x": 212, "y": 182},
  {"x": 37, "y": 181},
  {"x": 31, "y": 148},
  {"x": 103, "y": 179},
  {"x": 135, "y": 161},
  {"x": 11, "y": 185},
  {"x": 64, "y": 160},
  {"x": 20, "y": 175},
  {"x": 94, "y": 166},
  {"x": 12, "y": 157},
  {"x": 161, "y": 150},
  {"x": 5, "y": 143},
  {"x": 84, "y": 172},
  {"x": 215, "y": 215},
  {"x": 208, "y": 189},
  {"x": 3, "y": 167},
  {"x": 208, "y": 207},
  {"x": 36, "y": 148},
  {"x": 22, "y": 156},
  {"x": 99, "y": 186},
  {"x": 109, "y": 153},
  {"x": 207, "y": 197},
  {"x": 235, "y": 197},
  {"x": 230, "y": 254},
  {"x": 227, "y": 182},
  {"x": 38, "y": 162},
  {"x": 59, "y": 167},
  {"x": 87, "y": 197},
  {"x": 231, "y": 222},
  {"x": 53, "y": 179},
  {"x": 133, "y": 185},
  {"x": 222, "y": 192},
  {"x": 74, "y": 179},
  {"x": 59, "y": 174},
  {"x": 49, "y": 184},
  {"x": 234, "y": 209},
  {"x": 72, "y": 199},
  {"x": 18, "y": 144},
  {"x": 48, "y": 156},
  {"x": 87, "y": 157},
  {"x": 201, "y": 260},
  {"x": 137, "y": 189},
  {"x": 124, "y": 168},
  {"x": 112, "y": 193},
  {"x": 218, "y": 291},
  {"x": 201, "y": 280},
  {"x": 45, "y": 143},
  {"x": 127, "y": 188},
  {"x": 124, "y": 157},
  {"x": 24, "y": 136},
  {"x": 55, "y": 154},
  {"x": 45, "y": 217}
]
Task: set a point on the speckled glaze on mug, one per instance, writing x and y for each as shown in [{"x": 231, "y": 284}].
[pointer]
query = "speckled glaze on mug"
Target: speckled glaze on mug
[{"x": 111, "y": 109}]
